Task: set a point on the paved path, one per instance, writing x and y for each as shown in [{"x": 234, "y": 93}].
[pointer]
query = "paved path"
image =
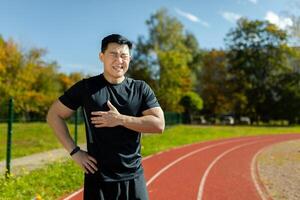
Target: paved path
[
  {"x": 223, "y": 169},
  {"x": 34, "y": 161}
]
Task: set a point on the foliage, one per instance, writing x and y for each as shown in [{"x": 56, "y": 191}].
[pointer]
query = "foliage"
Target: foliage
[
  {"x": 214, "y": 84},
  {"x": 33, "y": 82},
  {"x": 166, "y": 59},
  {"x": 258, "y": 59},
  {"x": 191, "y": 102}
]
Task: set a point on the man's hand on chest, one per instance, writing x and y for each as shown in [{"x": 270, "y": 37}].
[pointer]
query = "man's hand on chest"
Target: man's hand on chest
[{"x": 109, "y": 118}]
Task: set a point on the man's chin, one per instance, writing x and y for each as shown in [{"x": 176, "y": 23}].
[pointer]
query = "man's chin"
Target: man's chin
[{"x": 118, "y": 75}]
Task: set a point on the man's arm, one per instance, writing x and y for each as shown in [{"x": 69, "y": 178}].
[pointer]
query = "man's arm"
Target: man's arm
[
  {"x": 152, "y": 121},
  {"x": 56, "y": 119},
  {"x": 56, "y": 116}
]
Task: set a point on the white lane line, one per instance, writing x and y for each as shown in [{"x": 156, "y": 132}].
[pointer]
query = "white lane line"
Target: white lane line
[
  {"x": 176, "y": 148},
  {"x": 204, "y": 177},
  {"x": 171, "y": 164},
  {"x": 198, "y": 143},
  {"x": 155, "y": 176},
  {"x": 254, "y": 174},
  {"x": 73, "y": 195},
  {"x": 174, "y": 162}
]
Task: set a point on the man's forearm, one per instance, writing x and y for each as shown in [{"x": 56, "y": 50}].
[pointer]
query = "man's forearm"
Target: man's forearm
[
  {"x": 61, "y": 131},
  {"x": 144, "y": 124}
]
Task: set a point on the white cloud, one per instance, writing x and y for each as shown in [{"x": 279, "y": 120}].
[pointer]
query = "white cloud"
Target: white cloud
[
  {"x": 230, "y": 16},
  {"x": 281, "y": 22},
  {"x": 191, "y": 17},
  {"x": 253, "y": 1}
]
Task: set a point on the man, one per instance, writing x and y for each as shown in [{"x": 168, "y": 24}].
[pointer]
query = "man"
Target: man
[{"x": 116, "y": 110}]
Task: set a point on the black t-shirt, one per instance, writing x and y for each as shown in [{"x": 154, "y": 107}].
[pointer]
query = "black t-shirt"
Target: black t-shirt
[{"x": 117, "y": 149}]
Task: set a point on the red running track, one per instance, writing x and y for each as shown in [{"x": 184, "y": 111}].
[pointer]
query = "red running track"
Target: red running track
[{"x": 214, "y": 170}]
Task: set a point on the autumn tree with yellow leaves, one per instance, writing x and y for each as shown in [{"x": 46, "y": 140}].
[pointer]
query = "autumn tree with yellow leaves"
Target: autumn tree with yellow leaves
[{"x": 31, "y": 81}]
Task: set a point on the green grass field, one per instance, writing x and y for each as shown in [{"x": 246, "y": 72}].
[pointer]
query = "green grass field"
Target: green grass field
[
  {"x": 65, "y": 176},
  {"x": 29, "y": 138}
]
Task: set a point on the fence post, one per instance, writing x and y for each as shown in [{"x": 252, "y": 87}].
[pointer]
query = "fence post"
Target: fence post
[
  {"x": 76, "y": 126},
  {"x": 9, "y": 136}
]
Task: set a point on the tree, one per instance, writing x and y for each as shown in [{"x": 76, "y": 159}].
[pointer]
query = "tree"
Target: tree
[
  {"x": 164, "y": 59},
  {"x": 214, "y": 85},
  {"x": 10, "y": 60},
  {"x": 192, "y": 104},
  {"x": 143, "y": 64},
  {"x": 288, "y": 103},
  {"x": 258, "y": 55},
  {"x": 66, "y": 81},
  {"x": 33, "y": 83}
]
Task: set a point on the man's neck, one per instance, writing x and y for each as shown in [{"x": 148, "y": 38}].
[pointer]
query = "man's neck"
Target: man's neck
[{"x": 113, "y": 80}]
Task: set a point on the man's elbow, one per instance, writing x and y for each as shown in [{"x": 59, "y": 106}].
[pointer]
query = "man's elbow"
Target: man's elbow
[
  {"x": 161, "y": 127},
  {"x": 48, "y": 116},
  {"x": 52, "y": 115}
]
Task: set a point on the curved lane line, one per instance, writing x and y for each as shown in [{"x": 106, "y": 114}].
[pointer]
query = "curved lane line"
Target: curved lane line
[
  {"x": 177, "y": 160},
  {"x": 204, "y": 177},
  {"x": 155, "y": 176},
  {"x": 198, "y": 143},
  {"x": 260, "y": 188}
]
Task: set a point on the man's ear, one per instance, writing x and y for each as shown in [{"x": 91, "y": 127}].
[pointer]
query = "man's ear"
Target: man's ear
[{"x": 101, "y": 56}]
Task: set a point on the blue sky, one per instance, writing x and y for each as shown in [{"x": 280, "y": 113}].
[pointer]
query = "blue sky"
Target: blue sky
[{"x": 71, "y": 31}]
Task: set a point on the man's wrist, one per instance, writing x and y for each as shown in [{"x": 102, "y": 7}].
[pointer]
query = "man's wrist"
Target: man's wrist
[
  {"x": 122, "y": 119},
  {"x": 75, "y": 150}
]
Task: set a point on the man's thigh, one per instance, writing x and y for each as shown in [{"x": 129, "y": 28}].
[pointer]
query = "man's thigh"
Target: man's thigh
[{"x": 134, "y": 189}]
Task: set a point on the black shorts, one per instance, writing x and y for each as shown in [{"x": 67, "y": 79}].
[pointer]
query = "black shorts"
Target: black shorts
[{"x": 134, "y": 189}]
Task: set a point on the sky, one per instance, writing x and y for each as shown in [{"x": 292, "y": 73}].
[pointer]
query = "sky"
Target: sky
[{"x": 71, "y": 30}]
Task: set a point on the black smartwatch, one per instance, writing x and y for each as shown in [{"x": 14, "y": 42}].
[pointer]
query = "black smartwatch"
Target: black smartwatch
[{"x": 75, "y": 150}]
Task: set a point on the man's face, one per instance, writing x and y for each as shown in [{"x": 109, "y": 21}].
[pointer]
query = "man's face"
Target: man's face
[{"x": 116, "y": 60}]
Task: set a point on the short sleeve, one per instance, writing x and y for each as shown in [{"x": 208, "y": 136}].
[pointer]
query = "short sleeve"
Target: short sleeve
[
  {"x": 149, "y": 98},
  {"x": 73, "y": 97}
]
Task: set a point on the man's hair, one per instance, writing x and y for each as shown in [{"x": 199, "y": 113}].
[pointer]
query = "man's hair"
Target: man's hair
[{"x": 114, "y": 38}]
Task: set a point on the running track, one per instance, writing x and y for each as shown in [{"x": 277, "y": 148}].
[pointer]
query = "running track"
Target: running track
[{"x": 214, "y": 170}]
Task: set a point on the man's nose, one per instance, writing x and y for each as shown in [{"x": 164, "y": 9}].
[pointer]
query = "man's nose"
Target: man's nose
[{"x": 119, "y": 59}]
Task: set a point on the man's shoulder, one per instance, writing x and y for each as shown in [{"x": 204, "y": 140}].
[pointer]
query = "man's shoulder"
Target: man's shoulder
[
  {"x": 93, "y": 83},
  {"x": 135, "y": 81},
  {"x": 93, "y": 78}
]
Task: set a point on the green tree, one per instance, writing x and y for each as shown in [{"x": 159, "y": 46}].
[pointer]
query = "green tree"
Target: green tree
[
  {"x": 288, "y": 103},
  {"x": 258, "y": 55},
  {"x": 214, "y": 85},
  {"x": 192, "y": 104},
  {"x": 143, "y": 65},
  {"x": 165, "y": 59},
  {"x": 196, "y": 63}
]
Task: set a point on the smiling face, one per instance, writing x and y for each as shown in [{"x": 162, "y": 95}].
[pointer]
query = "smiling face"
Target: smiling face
[{"x": 116, "y": 59}]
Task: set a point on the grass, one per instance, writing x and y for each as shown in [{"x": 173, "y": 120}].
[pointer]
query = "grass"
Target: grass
[
  {"x": 30, "y": 138},
  {"x": 62, "y": 177},
  {"x": 65, "y": 177}
]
